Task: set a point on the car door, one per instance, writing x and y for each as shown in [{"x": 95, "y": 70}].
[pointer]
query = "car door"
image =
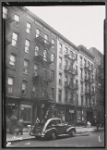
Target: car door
[{"x": 60, "y": 127}]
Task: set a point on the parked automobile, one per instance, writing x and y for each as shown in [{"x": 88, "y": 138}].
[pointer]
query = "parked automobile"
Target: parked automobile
[{"x": 53, "y": 128}]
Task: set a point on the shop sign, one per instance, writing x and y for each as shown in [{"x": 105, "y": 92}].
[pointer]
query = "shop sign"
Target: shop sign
[{"x": 71, "y": 111}]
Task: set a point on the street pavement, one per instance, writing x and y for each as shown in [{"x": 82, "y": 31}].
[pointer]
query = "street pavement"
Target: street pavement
[{"x": 92, "y": 139}]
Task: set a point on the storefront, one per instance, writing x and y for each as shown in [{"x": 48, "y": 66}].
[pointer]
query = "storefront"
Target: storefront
[
  {"x": 84, "y": 116},
  {"x": 61, "y": 111},
  {"x": 78, "y": 117},
  {"x": 70, "y": 115}
]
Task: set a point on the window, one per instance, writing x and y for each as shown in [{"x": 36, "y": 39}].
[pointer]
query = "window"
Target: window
[
  {"x": 76, "y": 83},
  {"x": 27, "y": 46},
  {"x": 4, "y": 12},
  {"x": 53, "y": 43},
  {"x": 52, "y": 93},
  {"x": 71, "y": 54},
  {"x": 80, "y": 61},
  {"x": 45, "y": 55},
  {"x": 52, "y": 57},
  {"x": 60, "y": 62},
  {"x": 28, "y": 29},
  {"x": 60, "y": 48},
  {"x": 12, "y": 60},
  {"x": 66, "y": 94},
  {"x": 24, "y": 86},
  {"x": 81, "y": 87},
  {"x": 37, "y": 33},
  {"x": 36, "y": 50},
  {"x": 81, "y": 73},
  {"x": 16, "y": 18},
  {"x": 52, "y": 75},
  {"x": 81, "y": 100},
  {"x": 60, "y": 95},
  {"x": 14, "y": 39},
  {"x": 84, "y": 62},
  {"x": 46, "y": 38},
  {"x": 60, "y": 79},
  {"x": 66, "y": 78},
  {"x": 66, "y": 50},
  {"x": 10, "y": 82},
  {"x": 25, "y": 68},
  {"x": 35, "y": 69},
  {"x": 66, "y": 63}
]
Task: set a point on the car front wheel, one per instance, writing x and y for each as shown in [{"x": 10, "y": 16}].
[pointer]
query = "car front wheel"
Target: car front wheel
[{"x": 72, "y": 133}]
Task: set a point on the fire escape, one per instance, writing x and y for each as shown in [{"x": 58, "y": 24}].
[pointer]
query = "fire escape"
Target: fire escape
[
  {"x": 71, "y": 86},
  {"x": 89, "y": 80},
  {"x": 43, "y": 77}
]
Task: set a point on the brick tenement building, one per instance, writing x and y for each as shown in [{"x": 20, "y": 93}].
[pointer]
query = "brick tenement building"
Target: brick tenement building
[{"x": 43, "y": 68}]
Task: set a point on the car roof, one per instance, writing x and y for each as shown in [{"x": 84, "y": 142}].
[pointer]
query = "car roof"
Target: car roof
[{"x": 54, "y": 119}]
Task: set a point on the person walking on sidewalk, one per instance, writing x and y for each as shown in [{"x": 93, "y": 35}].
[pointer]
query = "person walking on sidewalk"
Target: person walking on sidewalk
[{"x": 20, "y": 126}]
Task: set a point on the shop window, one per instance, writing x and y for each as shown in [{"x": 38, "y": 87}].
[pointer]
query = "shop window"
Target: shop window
[
  {"x": 10, "y": 83},
  {"x": 36, "y": 50},
  {"x": 16, "y": 18},
  {"x": 27, "y": 46},
  {"x": 37, "y": 33},
  {"x": 25, "y": 68},
  {"x": 12, "y": 60},
  {"x": 14, "y": 39},
  {"x": 28, "y": 29},
  {"x": 4, "y": 12},
  {"x": 26, "y": 113},
  {"x": 35, "y": 69}
]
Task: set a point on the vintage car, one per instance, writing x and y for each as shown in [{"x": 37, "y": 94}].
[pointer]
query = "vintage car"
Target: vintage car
[{"x": 52, "y": 128}]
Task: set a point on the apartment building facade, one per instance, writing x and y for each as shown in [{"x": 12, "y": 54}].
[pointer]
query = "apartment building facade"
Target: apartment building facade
[
  {"x": 30, "y": 56},
  {"x": 45, "y": 69}
]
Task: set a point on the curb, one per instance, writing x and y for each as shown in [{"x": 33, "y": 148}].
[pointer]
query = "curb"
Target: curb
[{"x": 33, "y": 137}]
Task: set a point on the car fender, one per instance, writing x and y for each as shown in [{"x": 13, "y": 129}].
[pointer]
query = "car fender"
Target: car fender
[
  {"x": 49, "y": 131},
  {"x": 70, "y": 128}
]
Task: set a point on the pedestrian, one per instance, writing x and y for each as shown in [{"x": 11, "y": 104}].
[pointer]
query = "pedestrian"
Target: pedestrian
[{"x": 20, "y": 126}]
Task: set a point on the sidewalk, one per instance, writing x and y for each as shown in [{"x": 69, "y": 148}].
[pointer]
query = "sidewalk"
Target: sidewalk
[{"x": 25, "y": 136}]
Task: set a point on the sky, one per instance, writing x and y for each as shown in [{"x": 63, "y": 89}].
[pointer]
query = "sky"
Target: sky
[{"x": 82, "y": 25}]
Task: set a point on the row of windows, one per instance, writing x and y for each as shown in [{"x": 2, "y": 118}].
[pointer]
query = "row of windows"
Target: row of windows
[
  {"x": 27, "y": 48},
  {"x": 12, "y": 62},
  {"x": 86, "y": 63},
  {"x": 10, "y": 83},
  {"x": 28, "y": 28}
]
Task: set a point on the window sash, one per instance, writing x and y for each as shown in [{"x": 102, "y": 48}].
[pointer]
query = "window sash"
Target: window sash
[
  {"x": 23, "y": 86},
  {"x": 37, "y": 32},
  {"x": 14, "y": 36},
  {"x": 52, "y": 57},
  {"x": 10, "y": 89},
  {"x": 10, "y": 81},
  {"x": 16, "y": 18},
  {"x": 27, "y": 43},
  {"x": 4, "y": 10}
]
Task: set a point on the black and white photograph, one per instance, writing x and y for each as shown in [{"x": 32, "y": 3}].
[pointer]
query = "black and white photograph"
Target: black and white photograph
[{"x": 53, "y": 75}]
